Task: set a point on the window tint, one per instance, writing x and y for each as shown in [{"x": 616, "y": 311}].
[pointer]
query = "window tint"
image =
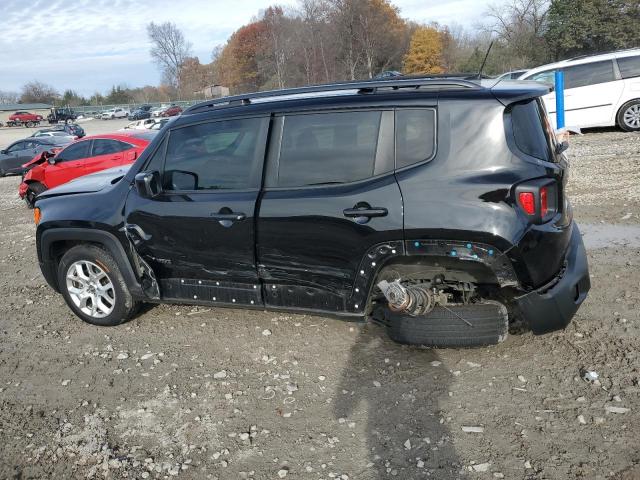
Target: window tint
[
  {"x": 528, "y": 132},
  {"x": 328, "y": 148},
  {"x": 629, "y": 67},
  {"x": 588, "y": 74},
  {"x": 217, "y": 155},
  {"x": 543, "y": 77},
  {"x": 16, "y": 147},
  {"x": 74, "y": 152},
  {"x": 103, "y": 146},
  {"x": 415, "y": 136}
]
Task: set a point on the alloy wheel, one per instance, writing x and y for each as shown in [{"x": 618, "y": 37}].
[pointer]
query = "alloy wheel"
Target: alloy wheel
[
  {"x": 91, "y": 289},
  {"x": 631, "y": 116}
]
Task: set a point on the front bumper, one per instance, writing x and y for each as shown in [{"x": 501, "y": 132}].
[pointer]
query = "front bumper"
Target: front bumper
[
  {"x": 553, "y": 306},
  {"x": 22, "y": 189}
]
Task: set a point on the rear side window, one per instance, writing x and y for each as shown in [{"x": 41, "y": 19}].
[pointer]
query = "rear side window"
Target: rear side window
[
  {"x": 106, "y": 147},
  {"x": 74, "y": 152},
  {"x": 629, "y": 66},
  {"x": 216, "y": 155},
  {"x": 328, "y": 148},
  {"x": 415, "y": 136},
  {"x": 528, "y": 130},
  {"x": 588, "y": 74}
]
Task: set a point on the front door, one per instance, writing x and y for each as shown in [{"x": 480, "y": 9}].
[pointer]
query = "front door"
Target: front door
[
  {"x": 69, "y": 164},
  {"x": 198, "y": 234},
  {"x": 331, "y": 210}
]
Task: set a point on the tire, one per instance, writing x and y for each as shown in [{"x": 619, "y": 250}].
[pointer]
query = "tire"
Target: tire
[
  {"x": 35, "y": 189},
  {"x": 114, "y": 304},
  {"x": 28, "y": 124},
  {"x": 628, "y": 117},
  {"x": 445, "y": 327}
]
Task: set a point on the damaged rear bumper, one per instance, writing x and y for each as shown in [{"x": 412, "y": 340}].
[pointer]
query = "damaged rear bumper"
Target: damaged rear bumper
[{"x": 553, "y": 306}]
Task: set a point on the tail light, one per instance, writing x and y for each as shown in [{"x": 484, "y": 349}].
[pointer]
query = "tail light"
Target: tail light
[{"x": 538, "y": 199}]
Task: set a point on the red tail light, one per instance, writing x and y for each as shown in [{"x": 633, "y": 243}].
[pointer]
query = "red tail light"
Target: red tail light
[
  {"x": 527, "y": 202},
  {"x": 544, "y": 203}
]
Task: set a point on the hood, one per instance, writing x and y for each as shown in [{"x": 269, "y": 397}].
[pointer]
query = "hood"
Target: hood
[{"x": 88, "y": 183}]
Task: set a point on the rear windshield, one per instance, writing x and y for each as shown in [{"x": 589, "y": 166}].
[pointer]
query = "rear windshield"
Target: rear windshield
[{"x": 532, "y": 131}]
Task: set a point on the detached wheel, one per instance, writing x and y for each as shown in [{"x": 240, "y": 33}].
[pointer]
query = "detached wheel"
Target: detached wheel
[
  {"x": 628, "y": 117},
  {"x": 35, "y": 189},
  {"x": 93, "y": 286},
  {"x": 453, "y": 326}
]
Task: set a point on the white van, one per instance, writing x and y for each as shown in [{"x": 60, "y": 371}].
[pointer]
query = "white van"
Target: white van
[{"x": 600, "y": 90}]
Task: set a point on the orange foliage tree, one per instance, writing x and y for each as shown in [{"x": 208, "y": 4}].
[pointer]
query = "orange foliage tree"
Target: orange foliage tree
[{"x": 425, "y": 52}]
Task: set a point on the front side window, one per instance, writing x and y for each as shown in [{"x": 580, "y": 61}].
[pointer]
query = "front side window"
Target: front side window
[
  {"x": 588, "y": 74},
  {"x": 215, "y": 156},
  {"x": 629, "y": 66},
  {"x": 16, "y": 147},
  {"x": 328, "y": 148},
  {"x": 74, "y": 152},
  {"x": 415, "y": 136}
]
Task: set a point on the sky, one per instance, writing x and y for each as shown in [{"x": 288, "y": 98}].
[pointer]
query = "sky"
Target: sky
[{"x": 90, "y": 45}]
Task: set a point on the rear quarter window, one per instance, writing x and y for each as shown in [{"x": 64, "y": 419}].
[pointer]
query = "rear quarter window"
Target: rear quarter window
[
  {"x": 588, "y": 74},
  {"x": 629, "y": 66},
  {"x": 415, "y": 136},
  {"x": 528, "y": 125}
]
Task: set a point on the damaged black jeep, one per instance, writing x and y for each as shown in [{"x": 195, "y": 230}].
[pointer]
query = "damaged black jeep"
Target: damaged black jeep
[{"x": 436, "y": 206}]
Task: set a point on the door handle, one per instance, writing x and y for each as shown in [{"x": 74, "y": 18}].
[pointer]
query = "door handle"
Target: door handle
[
  {"x": 226, "y": 217},
  {"x": 365, "y": 212}
]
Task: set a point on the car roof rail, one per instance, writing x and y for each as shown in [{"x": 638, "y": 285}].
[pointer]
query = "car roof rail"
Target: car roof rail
[{"x": 360, "y": 87}]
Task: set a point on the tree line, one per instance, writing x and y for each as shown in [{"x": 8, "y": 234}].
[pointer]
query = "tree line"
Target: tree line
[{"x": 321, "y": 41}]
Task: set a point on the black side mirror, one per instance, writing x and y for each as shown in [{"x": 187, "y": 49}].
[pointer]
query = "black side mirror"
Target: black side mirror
[
  {"x": 3, "y": 152},
  {"x": 181, "y": 180},
  {"x": 148, "y": 184},
  {"x": 561, "y": 147}
]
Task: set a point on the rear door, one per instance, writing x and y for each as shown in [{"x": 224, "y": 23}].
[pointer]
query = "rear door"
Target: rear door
[
  {"x": 69, "y": 164},
  {"x": 330, "y": 210},
  {"x": 198, "y": 234},
  {"x": 105, "y": 153},
  {"x": 592, "y": 91}
]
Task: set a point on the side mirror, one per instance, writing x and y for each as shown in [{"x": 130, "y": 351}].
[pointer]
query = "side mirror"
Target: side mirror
[
  {"x": 562, "y": 147},
  {"x": 3, "y": 152},
  {"x": 148, "y": 184},
  {"x": 51, "y": 160},
  {"x": 181, "y": 180}
]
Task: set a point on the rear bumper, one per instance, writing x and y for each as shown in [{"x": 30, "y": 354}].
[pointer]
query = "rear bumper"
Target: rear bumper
[{"x": 553, "y": 306}]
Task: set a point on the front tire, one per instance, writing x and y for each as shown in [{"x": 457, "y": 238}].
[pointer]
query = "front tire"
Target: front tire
[
  {"x": 93, "y": 286},
  {"x": 628, "y": 117}
]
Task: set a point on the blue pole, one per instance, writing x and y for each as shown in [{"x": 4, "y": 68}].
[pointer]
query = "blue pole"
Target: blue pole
[{"x": 559, "y": 99}]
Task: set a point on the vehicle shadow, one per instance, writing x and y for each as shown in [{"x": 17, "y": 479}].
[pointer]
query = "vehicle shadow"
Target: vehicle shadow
[{"x": 397, "y": 391}]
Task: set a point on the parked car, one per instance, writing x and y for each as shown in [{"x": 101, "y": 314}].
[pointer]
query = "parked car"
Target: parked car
[
  {"x": 85, "y": 156},
  {"x": 513, "y": 75},
  {"x": 140, "y": 113},
  {"x": 172, "y": 111},
  {"x": 600, "y": 90},
  {"x": 156, "y": 111},
  {"x": 432, "y": 205},
  {"x": 61, "y": 114},
  {"x": 70, "y": 129},
  {"x": 24, "y": 118},
  {"x": 12, "y": 157},
  {"x": 159, "y": 123},
  {"x": 55, "y": 133},
  {"x": 114, "y": 113},
  {"x": 140, "y": 124}
]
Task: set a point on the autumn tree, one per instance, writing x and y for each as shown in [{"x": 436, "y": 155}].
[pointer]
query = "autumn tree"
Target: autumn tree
[
  {"x": 169, "y": 50},
  {"x": 194, "y": 76},
  {"x": 425, "y": 52}
]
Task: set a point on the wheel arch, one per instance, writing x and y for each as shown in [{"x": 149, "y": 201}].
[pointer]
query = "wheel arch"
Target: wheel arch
[
  {"x": 55, "y": 242},
  {"x": 622, "y": 107}
]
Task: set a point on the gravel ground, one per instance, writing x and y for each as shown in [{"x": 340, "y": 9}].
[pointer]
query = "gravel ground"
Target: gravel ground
[{"x": 222, "y": 393}]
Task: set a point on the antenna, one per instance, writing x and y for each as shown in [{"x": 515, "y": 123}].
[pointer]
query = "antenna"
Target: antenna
[{"x": 484, "y": 61}]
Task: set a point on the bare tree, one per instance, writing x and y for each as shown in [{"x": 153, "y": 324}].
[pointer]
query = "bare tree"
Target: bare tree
[
  {"x": 7, "y": 97},
  {"x": 169, "y": 50},
  {"x": 38, "y": 92}
]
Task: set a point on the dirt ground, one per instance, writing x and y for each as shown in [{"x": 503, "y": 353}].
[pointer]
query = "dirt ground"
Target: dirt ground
[{"x": 228, "y": 394}]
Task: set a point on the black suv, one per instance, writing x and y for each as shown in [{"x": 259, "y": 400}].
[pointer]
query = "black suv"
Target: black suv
[{"x": 435, "y": 206}]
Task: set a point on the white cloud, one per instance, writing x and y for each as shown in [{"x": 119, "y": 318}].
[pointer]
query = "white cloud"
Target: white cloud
[{"x": 90, "y": 45}]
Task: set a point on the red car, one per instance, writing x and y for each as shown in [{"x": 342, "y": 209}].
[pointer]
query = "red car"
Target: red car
[
  {"x": 25, "y": 118},
  {"x": 172, "y": 111},
  {"x": 82, "y": 157}
]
